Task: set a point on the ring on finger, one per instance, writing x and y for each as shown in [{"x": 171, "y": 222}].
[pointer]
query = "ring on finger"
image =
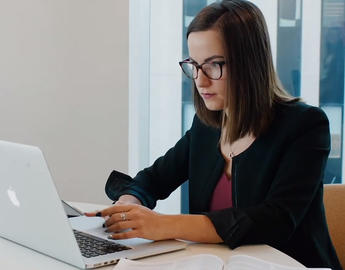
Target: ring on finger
[{"x": 123, "y": 216}]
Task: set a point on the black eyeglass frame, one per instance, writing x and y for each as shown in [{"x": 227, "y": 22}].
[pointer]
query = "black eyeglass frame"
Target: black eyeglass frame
[{"x": 197, "y": 66}]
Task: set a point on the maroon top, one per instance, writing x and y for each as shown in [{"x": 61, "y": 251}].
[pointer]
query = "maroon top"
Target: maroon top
[{"x": 222, "y": 196}]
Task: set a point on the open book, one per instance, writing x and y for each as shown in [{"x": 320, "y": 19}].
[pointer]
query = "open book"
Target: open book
[{"x": 207, "y": 262}]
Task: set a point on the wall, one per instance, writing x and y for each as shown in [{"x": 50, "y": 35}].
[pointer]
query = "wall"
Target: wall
[{"x": 64, "y": 88}]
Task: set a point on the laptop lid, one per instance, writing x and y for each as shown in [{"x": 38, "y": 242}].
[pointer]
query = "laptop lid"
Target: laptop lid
[{"x": 35, "y": 217}]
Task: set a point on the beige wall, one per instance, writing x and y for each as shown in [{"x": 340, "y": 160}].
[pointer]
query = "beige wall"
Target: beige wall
[{"x": 64, "y": 88}]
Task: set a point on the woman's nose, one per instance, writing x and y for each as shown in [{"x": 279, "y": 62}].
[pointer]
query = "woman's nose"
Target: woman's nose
[{"x": 202, "y": 80}]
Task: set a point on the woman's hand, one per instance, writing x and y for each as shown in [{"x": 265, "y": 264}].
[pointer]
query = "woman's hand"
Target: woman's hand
[
  {"x": 129, "y": 219},
  {"x": 133, "y": 220}
]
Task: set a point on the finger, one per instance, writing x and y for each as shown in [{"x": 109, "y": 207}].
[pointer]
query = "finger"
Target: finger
[
  {"x": 101, "y": 213},
  {"x": 120, "y": 226},
  {"x": 90, "y": 214},
  {"x": 118, "y": 209},
  {"x": 93, "y": 214},
  {"x": 113, "y": 219},
  {"x": 118, "y": 217},
  {"x": 124, "y": 235}
]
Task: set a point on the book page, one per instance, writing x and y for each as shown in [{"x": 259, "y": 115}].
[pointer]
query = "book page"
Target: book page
[
  {"x": 244, "y": 262},
  {"x": 196, "y": 262}
]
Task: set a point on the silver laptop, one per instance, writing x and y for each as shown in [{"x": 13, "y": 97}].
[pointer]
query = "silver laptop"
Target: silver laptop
[{"x": 33, "y": 216}]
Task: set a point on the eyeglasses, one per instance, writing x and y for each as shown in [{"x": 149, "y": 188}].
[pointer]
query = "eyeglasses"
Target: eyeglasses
[{"x": 212, "y": 70}]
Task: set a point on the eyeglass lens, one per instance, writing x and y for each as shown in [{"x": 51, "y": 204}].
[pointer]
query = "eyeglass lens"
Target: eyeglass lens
[{"x": 211, "y": 70}]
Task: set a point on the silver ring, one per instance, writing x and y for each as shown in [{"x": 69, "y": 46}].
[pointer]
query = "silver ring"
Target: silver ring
[{"x": 123, "y": 216}]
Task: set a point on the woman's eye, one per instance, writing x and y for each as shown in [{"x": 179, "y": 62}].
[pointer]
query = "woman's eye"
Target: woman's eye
[{"x": 211, "y": 66}]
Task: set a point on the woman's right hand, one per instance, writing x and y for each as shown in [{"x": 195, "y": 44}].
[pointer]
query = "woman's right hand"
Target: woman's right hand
[
  {"x": 127, "y": 199},
  {"x": 123, "y": 200}
]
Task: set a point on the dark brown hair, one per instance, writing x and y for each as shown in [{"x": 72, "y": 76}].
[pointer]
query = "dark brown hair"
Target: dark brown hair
[{"x": 252, "y": 84}]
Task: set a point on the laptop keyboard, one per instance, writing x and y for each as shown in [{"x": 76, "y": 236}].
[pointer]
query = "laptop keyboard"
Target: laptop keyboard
[{"x": 92, "y": 246}]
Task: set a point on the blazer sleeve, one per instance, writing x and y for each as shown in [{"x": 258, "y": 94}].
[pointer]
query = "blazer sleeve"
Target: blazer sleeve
[
  {"x": 167, "y": 173},
  {"x": 293, "y": 189}
]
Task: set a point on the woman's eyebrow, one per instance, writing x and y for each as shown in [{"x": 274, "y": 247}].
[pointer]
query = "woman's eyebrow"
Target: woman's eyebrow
[
  {"x": 213, "y": 57},
  {"x": 208, "y": 59}
]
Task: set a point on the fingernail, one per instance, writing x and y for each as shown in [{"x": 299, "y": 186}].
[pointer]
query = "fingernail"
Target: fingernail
[
  {"x": 110, "y": 237},
  {"x": 98, "y": 214}
]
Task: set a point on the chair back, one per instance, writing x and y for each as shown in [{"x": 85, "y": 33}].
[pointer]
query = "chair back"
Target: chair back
[{"x": 334, "y": 201}]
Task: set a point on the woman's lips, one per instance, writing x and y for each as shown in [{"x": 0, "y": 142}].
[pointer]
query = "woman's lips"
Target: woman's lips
[{"x": 207, "y": 95}]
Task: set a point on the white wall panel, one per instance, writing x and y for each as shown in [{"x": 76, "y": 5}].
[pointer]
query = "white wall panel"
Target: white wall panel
[{"x": 64, "y": 88}]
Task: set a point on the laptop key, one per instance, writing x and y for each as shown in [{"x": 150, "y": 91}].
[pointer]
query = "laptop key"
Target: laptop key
[{"x": 92, "y": 246}]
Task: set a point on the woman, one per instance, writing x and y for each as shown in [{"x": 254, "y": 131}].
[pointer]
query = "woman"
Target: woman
[{"x": 254, "y": 155}]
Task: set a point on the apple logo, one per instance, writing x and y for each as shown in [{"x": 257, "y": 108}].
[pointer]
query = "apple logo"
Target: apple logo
[{"x": 13, "y": 196}]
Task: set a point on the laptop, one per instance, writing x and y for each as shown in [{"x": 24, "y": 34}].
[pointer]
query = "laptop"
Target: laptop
[{"x": 33, "y": 216}]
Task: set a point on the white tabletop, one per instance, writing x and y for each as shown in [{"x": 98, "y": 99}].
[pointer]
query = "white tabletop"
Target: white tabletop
[{"x": 16, "y": 257}]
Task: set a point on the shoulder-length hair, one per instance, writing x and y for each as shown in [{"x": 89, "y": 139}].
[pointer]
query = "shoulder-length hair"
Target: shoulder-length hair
[{"x": 252, "y": 84}]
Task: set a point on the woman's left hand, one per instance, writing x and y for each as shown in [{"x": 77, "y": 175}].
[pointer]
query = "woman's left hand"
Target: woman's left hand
[{"x": 132, "y": 220}]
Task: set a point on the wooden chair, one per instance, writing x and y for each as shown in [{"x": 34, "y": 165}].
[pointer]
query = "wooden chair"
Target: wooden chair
[{"x": 334, "y": 201}]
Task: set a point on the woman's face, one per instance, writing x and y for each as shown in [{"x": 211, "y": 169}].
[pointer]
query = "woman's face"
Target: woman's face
[{"x": 206, "y": 46}]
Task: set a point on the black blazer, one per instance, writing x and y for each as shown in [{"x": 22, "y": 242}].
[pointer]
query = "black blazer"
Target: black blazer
[{"x": 277, "y": 187}]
